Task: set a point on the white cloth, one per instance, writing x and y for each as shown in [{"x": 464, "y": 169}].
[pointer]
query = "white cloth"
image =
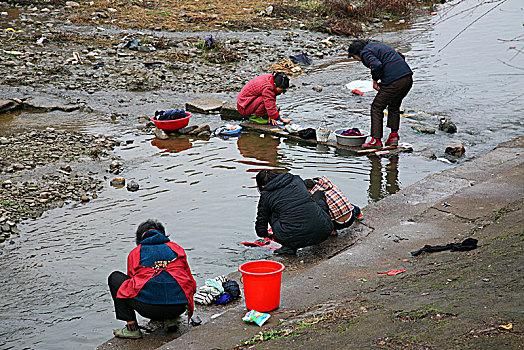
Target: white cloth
[{"x": 361, "y": 85}]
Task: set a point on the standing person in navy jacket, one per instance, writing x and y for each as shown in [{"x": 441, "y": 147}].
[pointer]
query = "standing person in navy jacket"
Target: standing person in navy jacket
[
  {"x": 158, "y": 285},
  {"x": 392, "y": 78}
]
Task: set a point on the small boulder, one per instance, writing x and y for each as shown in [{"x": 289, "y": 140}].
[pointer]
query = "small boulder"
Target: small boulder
[
  {"x": 317, "y": 88},
  {"x": 66, "y": 168},
  {"x": 118, "y": 181},
  {"x": 187, "y": 129},
  {"x": 115, "y": 167},
  {"x": 204, "y": 134},
  {"x": 200, "y": 129},
  {"x": 132, "y": 186},
  {"x": 7, "y": 183},
  {"x": 161, "y": 134},
  {"x": 447, "y": 126},
  {"x": 204, "y": 105},
  {"x": 456, "y": 149}
]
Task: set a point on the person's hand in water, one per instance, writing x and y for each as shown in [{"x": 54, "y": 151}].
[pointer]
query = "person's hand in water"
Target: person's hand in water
[{"x": 272, "y": 121}]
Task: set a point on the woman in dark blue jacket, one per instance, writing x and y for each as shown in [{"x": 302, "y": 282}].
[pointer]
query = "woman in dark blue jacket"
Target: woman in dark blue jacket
[
  {"x": 392, "y": 78},
  {"x": 297, "y": 219}
]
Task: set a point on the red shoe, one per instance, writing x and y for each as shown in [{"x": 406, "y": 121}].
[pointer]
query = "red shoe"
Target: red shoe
[
  {"x": 392, "y": 139},
  {"x": 373, "y": 144}
]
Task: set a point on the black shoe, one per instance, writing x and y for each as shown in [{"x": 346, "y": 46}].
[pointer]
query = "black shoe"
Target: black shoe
[{"x": 285, "y": 251}]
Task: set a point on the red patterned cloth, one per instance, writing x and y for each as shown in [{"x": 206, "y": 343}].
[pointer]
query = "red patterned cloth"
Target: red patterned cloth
[{"x": 338, "y": 203}]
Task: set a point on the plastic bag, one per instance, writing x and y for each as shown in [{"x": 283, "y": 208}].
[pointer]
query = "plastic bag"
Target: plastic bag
[{"x": 257, "y": 317}]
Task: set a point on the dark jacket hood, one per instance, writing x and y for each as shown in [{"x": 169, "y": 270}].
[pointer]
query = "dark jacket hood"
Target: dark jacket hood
[
  {"x": 153, "y": 237},
  {"x": 280, "y": 181}
]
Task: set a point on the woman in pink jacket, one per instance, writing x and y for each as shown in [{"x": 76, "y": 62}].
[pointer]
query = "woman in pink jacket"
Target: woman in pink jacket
[{"x": 258, "y": 97}]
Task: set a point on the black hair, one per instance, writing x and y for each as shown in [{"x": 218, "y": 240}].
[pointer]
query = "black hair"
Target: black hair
[
  {"x": 264, "y": 176},
  {"x": 281, "y": 80},
  {"x": 356, "y": 47},
  {"x": 150, "y": 224}
]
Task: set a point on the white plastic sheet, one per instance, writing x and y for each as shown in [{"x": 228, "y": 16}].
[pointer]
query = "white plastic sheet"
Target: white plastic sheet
[{"x": 362, "y": 85}]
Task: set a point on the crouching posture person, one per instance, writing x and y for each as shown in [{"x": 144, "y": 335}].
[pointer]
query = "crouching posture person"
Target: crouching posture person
[
  {"x": 258, "y": 97},
  {"x": 342, "y": 212},
  {"x": 298, "y": 219},
  {"x": 158, "y": 285}
]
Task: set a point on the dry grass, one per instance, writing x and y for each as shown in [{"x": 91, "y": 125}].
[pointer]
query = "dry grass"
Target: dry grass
[{"x": 342, "y": 17}]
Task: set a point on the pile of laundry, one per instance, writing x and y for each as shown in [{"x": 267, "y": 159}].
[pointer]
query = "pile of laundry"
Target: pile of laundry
[
  {"x": 302, "y": 132},
  {"x": 172, "y": 114},
  {"x": 352, "y": 132},
  {"x": 228, "y": 130},
  {"x": 218, "y": 290}
]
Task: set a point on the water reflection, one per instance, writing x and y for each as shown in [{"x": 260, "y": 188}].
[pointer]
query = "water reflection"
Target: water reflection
[
  {"x": 377, "y": 188},
  {"x": 173, "y": 144},
  {"x": 263, "y": 148}
]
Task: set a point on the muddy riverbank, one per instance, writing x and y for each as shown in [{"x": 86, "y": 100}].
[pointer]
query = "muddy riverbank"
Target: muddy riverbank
[{"x": 42, "y": 170}]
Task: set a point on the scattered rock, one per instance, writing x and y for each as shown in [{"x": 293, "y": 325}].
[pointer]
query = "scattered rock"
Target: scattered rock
[
  {"x": 447, "y": 126},
  {"x": 204, "y": 134},
  {"x": 317, "y": 88},
  {"x": 84, "y": 198},
  {"x": 9, "y": 105},
  {"x": 118, "y": 181},
  {"x": 186, "y": 130},
  {"x": 67, "y": 168},
  {"x": 456, "y": 149},
  {"x": 7, "y": 183},
  {"x": 132, "y": 186},
  {"x": 423, "y": 129},
  {"x": 143, "y": 118},
  {"x": 200, "y": 129},
  {"x": 161, "y": 134},
  {"x": 115, "y": 167}
]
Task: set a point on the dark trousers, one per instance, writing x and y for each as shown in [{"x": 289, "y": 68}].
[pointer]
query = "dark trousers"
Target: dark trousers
[
  {"x": 125, "y": 308},
  {"x": 389, "y": 96}
]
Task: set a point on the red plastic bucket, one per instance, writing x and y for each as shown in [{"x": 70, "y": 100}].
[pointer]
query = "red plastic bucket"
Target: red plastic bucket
[{"x": 262, "y": 280}]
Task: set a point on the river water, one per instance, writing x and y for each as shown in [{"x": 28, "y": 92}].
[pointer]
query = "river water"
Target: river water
[{"x": 53, "y": 292}]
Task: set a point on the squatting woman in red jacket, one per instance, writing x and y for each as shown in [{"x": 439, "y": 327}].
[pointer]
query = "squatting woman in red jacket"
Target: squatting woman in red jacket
[
  {"x": 158, "y": 285},
  {"x": 259, "y": 96}
]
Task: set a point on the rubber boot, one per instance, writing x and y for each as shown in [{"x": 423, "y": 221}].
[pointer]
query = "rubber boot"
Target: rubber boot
[{"x": 373, "y": 144}]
